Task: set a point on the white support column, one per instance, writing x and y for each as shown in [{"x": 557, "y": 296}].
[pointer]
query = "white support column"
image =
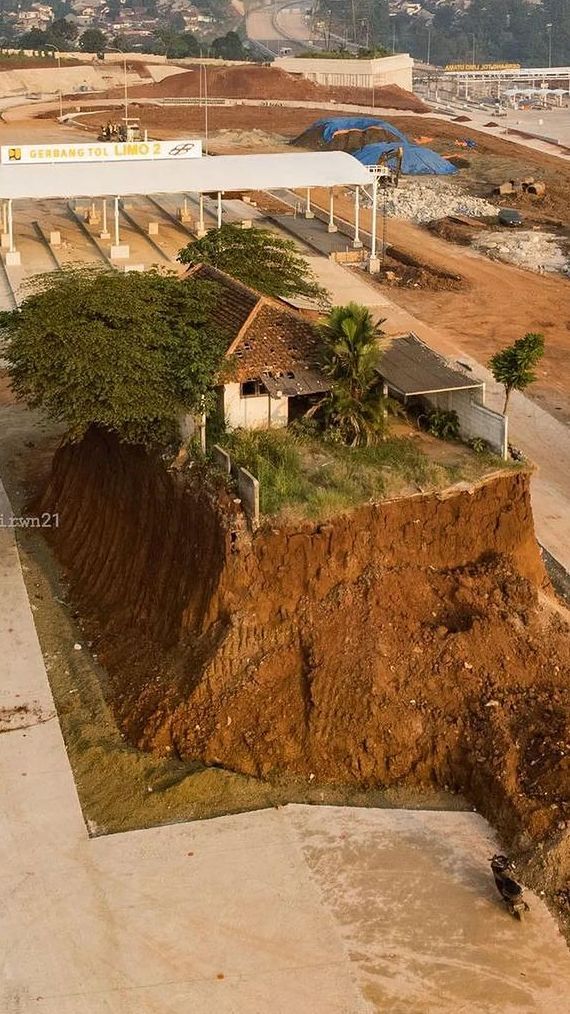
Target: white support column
[
  {"x": 119, "y": 251},
  {"x": 331, "y": 226},
  {"x": 374, "y": 263},
  {"x": 219, "y": 209},
  {"x": 104, "y": 234},
  {"x": 357, "y": 242},
  {"x": 308, "y": 212},
  {"x": 5, "y": 241},
  {"x": 10, "y": 228},
  {"x": 201, "y": 230},
  {"x": 12, "y": 256}
]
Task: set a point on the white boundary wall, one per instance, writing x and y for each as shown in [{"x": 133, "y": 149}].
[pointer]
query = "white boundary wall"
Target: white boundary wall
[
  {"x": 475, "y": 419},
  {"x": 384, "y": 70}
]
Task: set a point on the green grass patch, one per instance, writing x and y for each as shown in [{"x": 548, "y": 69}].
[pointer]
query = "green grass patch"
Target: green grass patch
[{"x": 315, "y": 478}]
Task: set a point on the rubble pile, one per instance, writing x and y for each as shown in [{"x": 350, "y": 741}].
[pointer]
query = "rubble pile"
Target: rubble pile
[
  {"x": 424, "y": 200},
  {"x": 537, "y": 251}
]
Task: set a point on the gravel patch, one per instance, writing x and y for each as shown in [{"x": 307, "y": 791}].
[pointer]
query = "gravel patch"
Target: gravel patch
[{"x": 537, "y": 251}]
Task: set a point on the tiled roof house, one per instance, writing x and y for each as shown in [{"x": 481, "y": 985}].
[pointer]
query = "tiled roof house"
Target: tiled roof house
[{"x": 272, "y": 355}]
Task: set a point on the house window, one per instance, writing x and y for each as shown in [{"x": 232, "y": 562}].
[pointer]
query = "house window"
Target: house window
[{"x": 251, "y": 389}]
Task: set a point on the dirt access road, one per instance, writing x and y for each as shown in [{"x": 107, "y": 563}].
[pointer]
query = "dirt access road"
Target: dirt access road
[{"x": 495, "y": 304}]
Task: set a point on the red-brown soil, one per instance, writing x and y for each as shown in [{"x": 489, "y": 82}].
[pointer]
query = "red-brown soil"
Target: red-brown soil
[
  {"x": 408, "y": 643},
  {"x": 242, "y": 82}
]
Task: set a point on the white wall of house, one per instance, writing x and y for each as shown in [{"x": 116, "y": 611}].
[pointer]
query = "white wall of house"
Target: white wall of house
[
  {"x": 253, "y": 412},
  {"x": 383, "y": 70}
]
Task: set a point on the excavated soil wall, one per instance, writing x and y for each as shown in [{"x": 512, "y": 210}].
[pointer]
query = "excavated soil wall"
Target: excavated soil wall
[{"x": 407, "y": 642}]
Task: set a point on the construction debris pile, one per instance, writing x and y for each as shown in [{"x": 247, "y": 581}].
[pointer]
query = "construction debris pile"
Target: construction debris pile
[
  {"x": 428, "y": 199},
  {"x": 529, "y": 186},
  {"x": 537, "y": 251}
]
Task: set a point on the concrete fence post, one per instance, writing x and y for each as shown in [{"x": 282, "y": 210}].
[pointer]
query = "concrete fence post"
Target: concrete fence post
[
  {"x": 248, "y": 491},
  {"x": 221, "y": 458}
]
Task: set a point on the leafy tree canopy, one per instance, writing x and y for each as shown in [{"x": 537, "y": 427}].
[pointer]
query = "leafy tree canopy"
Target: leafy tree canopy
[
  {"x": 513, "y": 367},
  {"x": 126, "y": 352},
  {"x": 93, "y": 40},
  {"x": 258, "y": 258},
  {"x": 229, "y": 47}
]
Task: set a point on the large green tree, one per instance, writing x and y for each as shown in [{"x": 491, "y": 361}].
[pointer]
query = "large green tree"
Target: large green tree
[
  {"x": 350, "y": 353},
  {"x": 513, "y": 367},
  {"x": 258, "y": 258},
  {"x": 126, "y": 352},
  {"x": 93, "y": 40}
]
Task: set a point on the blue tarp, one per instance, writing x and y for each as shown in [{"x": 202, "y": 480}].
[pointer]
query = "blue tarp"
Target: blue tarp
[
  {"x": 333, "y": 124},
  {"x": 416, "y": 161}
]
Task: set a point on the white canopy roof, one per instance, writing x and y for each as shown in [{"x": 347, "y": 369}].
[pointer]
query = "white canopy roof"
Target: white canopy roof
[{"x": 196, "y": 175}]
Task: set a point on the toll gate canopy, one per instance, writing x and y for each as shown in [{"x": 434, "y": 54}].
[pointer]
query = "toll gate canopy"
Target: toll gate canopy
[{"x": 198, "y": 175}]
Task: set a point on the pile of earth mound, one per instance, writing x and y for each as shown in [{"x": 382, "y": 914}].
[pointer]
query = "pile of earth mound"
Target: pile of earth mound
[
  {"x": 271, "y": 83},
  {"x": 326, "y": 135},
  {"x": 410, "y": 642}
]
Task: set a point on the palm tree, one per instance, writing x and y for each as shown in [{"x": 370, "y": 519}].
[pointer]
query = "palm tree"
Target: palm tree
[{"x": 351, "y": 349}]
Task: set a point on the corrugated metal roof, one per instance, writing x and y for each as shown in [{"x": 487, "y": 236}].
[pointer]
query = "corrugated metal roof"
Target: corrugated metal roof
[
  {"x": 294, "y": 382},
  {"x": 410, "y": 367},
  {"x": 195, "y": 175}
]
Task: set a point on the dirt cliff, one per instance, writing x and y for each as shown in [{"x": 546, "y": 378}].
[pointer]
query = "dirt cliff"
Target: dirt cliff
[{"x": 408, "y": 642}]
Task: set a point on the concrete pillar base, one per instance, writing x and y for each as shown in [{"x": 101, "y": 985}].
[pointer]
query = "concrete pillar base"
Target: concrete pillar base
[
  {"x": 5, "y": 240},
  {"x": 93, "y": 219},
  {"x": 309, "y": 214},
  {"x": 200, "y": 232},
  {"x": 127, "y": 268},
  {"x": 55, "y": 238},
  {"x": 246, "y": 223},
  {"x": 104, "y": 235},
  {"x": 153, "y": 228},
  {"x": 184, "y": 216},
  {"x": 357, "y": 244},
  {"x": 332, "y": 228},
  {"x": 13, "y": 258},
  {"x": 120, "y": 252},
  {"x": 374, "y": 265}
]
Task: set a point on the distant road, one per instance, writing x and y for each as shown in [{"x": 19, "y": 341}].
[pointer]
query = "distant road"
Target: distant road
[{"x": 279, "y": 25}]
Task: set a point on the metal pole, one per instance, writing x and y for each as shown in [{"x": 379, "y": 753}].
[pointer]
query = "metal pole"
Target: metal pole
[
  {"x": 331, "y": 207},
  {"x": 126, "y": 92},
  {"x": 104, "y": 222},
  {"x": 4, "y": 217},
  {"x": 206, "y": 105},
  {"x": 201, "y": 213},
  {"x": 428, "y": 46},
  {"x": 219, "y": 209},
  {"x": 374, "y": 214},
  {"x": 117, "y": 237},
  {"x": 357, "y": 217},
  {"x": 60, "y": 92},
  {"x": 185, "y": 204},
  {"x": 10, "y": 227},
  {"x": 308, "y": 204}
]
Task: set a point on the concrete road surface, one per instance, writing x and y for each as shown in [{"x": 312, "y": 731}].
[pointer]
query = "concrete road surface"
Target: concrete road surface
[{"x": 298, "y": 910}]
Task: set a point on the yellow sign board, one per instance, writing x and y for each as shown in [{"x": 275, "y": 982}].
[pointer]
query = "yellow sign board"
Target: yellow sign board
[
  {"x": 99, "y": 151},
  {"x": 455, "y": 68}
]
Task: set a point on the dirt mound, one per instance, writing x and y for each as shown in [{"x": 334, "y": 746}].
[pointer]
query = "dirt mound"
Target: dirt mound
[
  {"x": 461, "y": 119},
  {"x": 237, "y": 650},
  {"x": 270, "y": 83},
  {"x": 342, "y": 140}
]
